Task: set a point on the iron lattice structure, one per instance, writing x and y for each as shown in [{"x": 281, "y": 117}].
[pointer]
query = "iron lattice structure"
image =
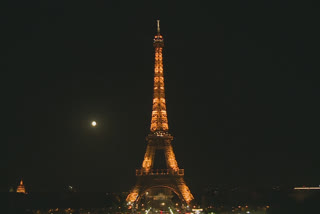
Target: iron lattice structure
[{"x": 159, "y": 139}]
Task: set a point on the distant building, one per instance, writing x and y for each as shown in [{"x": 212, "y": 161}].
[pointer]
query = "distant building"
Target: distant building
[{"x": 21, "y": 188}]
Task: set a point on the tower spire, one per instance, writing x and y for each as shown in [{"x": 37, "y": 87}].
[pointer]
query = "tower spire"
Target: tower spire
[
  {"x": 159, "y": 120},
  {"x": 158, "y": 27}
]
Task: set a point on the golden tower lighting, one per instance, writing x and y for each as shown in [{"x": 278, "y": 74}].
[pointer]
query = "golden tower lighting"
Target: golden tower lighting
[
  {"x": 21, "y": 188},
  {"x": 159, "y": 138}
]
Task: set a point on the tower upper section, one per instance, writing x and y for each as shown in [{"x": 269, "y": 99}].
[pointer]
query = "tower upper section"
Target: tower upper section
[{"x": 159, "y": 120}]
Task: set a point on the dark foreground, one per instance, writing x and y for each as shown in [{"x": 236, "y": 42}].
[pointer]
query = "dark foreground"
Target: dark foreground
[{"x": 214, "y": 202}]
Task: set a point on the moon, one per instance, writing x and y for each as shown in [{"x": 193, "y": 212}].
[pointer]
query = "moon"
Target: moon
[{"x": 93, "y": 123}]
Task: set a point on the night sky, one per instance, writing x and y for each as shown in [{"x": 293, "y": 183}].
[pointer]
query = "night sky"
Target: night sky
[{"x": 242, "y": 90}]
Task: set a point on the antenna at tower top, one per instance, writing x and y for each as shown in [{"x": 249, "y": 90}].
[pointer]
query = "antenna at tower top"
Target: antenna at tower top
[{"x": 158, "y": 26}]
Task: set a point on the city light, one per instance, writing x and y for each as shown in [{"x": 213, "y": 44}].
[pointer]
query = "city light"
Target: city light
[
  {"x": 170, "y": 210},
  {"x": 308, "y": 188},
  {"x": 148, "y": 210}
]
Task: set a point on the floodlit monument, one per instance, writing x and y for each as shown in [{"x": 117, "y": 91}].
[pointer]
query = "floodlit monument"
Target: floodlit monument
[
  {"x": 156, "y": 188},
  {"x": 21, "y": 188}
]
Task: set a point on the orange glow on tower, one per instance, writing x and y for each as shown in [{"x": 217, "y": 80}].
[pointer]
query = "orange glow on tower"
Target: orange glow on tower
[
  {"x": 21, "y": 188},
  {"x": 159, "y": 120},
  {"x": 171, "y": 176}
]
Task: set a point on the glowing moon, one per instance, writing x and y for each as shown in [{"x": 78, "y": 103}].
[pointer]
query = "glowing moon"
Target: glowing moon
[{"x": 93, "y": 123}]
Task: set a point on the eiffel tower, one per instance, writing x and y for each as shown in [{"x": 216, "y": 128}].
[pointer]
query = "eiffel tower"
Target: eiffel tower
[{"x": 159, "y": 139}]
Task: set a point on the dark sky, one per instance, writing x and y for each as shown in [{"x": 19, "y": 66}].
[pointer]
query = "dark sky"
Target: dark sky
[{"x": 242, "y": 91}]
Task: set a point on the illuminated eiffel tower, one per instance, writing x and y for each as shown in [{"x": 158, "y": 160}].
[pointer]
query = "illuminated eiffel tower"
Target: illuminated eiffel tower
[{"x": 159, "y": 139}]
